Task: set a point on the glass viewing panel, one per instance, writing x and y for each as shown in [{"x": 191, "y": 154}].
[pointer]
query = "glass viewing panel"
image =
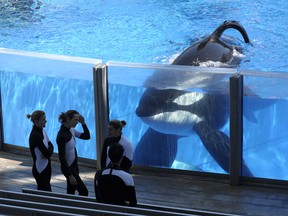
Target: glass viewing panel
[
  {"x": 55, "y": 84},
  {"x": 265, "y": 138},
  {"x": 175, "y": 115}
]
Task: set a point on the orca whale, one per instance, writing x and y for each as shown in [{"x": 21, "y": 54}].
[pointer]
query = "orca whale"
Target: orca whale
[
  {"x": 173, "y": 113},
  {"x": 212, "y": 48}
]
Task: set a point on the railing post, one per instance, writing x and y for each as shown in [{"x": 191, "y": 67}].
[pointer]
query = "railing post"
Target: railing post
[
  {"x": 236, "y": 128},
  {"x": 101, "y": 105}
]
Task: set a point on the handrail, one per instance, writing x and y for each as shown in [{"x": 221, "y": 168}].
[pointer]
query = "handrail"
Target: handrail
[
  {"x": 183, "y": 68},
  {"x": 48, "y": 56}
]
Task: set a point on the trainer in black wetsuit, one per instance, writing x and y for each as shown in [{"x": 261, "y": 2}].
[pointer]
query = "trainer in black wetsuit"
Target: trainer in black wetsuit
[
  {"x": 116, "y": 136},
  {"x": 41, "y": 150},
  {"x": 67, "y": 151},
  {"x": 113, "y": 185}
]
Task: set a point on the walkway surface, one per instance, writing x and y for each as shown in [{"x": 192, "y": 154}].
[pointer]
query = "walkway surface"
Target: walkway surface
[{"x": 171, "y": 190}]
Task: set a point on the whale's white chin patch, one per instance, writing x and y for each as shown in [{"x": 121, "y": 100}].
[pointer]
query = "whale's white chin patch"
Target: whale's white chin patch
[{"x": 178, "y": 122}]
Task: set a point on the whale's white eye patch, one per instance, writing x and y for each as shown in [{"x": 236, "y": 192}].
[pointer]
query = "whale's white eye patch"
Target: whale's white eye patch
[{"x": 188, "y": 98}]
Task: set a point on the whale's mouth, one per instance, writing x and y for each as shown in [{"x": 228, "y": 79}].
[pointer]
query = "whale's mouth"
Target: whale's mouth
[
  {"x": 146, "y": 111},
  {"x": 154, "y": 101},
  {"x": 149, "y": 106}
]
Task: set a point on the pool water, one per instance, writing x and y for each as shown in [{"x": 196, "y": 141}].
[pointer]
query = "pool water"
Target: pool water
[
  {"x": 143, "y": 31},
  {"x": 148, "y": 32}
]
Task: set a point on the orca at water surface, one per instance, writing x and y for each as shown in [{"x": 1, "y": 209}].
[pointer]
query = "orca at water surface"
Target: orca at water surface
[{"x": 214, "y": 49}]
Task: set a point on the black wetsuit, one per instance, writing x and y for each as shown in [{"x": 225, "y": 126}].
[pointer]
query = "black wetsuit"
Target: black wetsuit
[
  {"x": 68, "y": 156},
  {"x": 127, "y": 156},
  {"x": 115, "y": 186},
  {"x": 41, "y": 150}
]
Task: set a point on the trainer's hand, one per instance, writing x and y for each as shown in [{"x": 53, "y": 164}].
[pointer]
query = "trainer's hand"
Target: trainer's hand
[{"x": 81, "y": 120}]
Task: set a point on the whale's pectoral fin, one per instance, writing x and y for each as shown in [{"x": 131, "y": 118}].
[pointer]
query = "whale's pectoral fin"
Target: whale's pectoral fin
[
  {"x": 156, "y": 149},
  {"x": 217, "y": 144}
]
